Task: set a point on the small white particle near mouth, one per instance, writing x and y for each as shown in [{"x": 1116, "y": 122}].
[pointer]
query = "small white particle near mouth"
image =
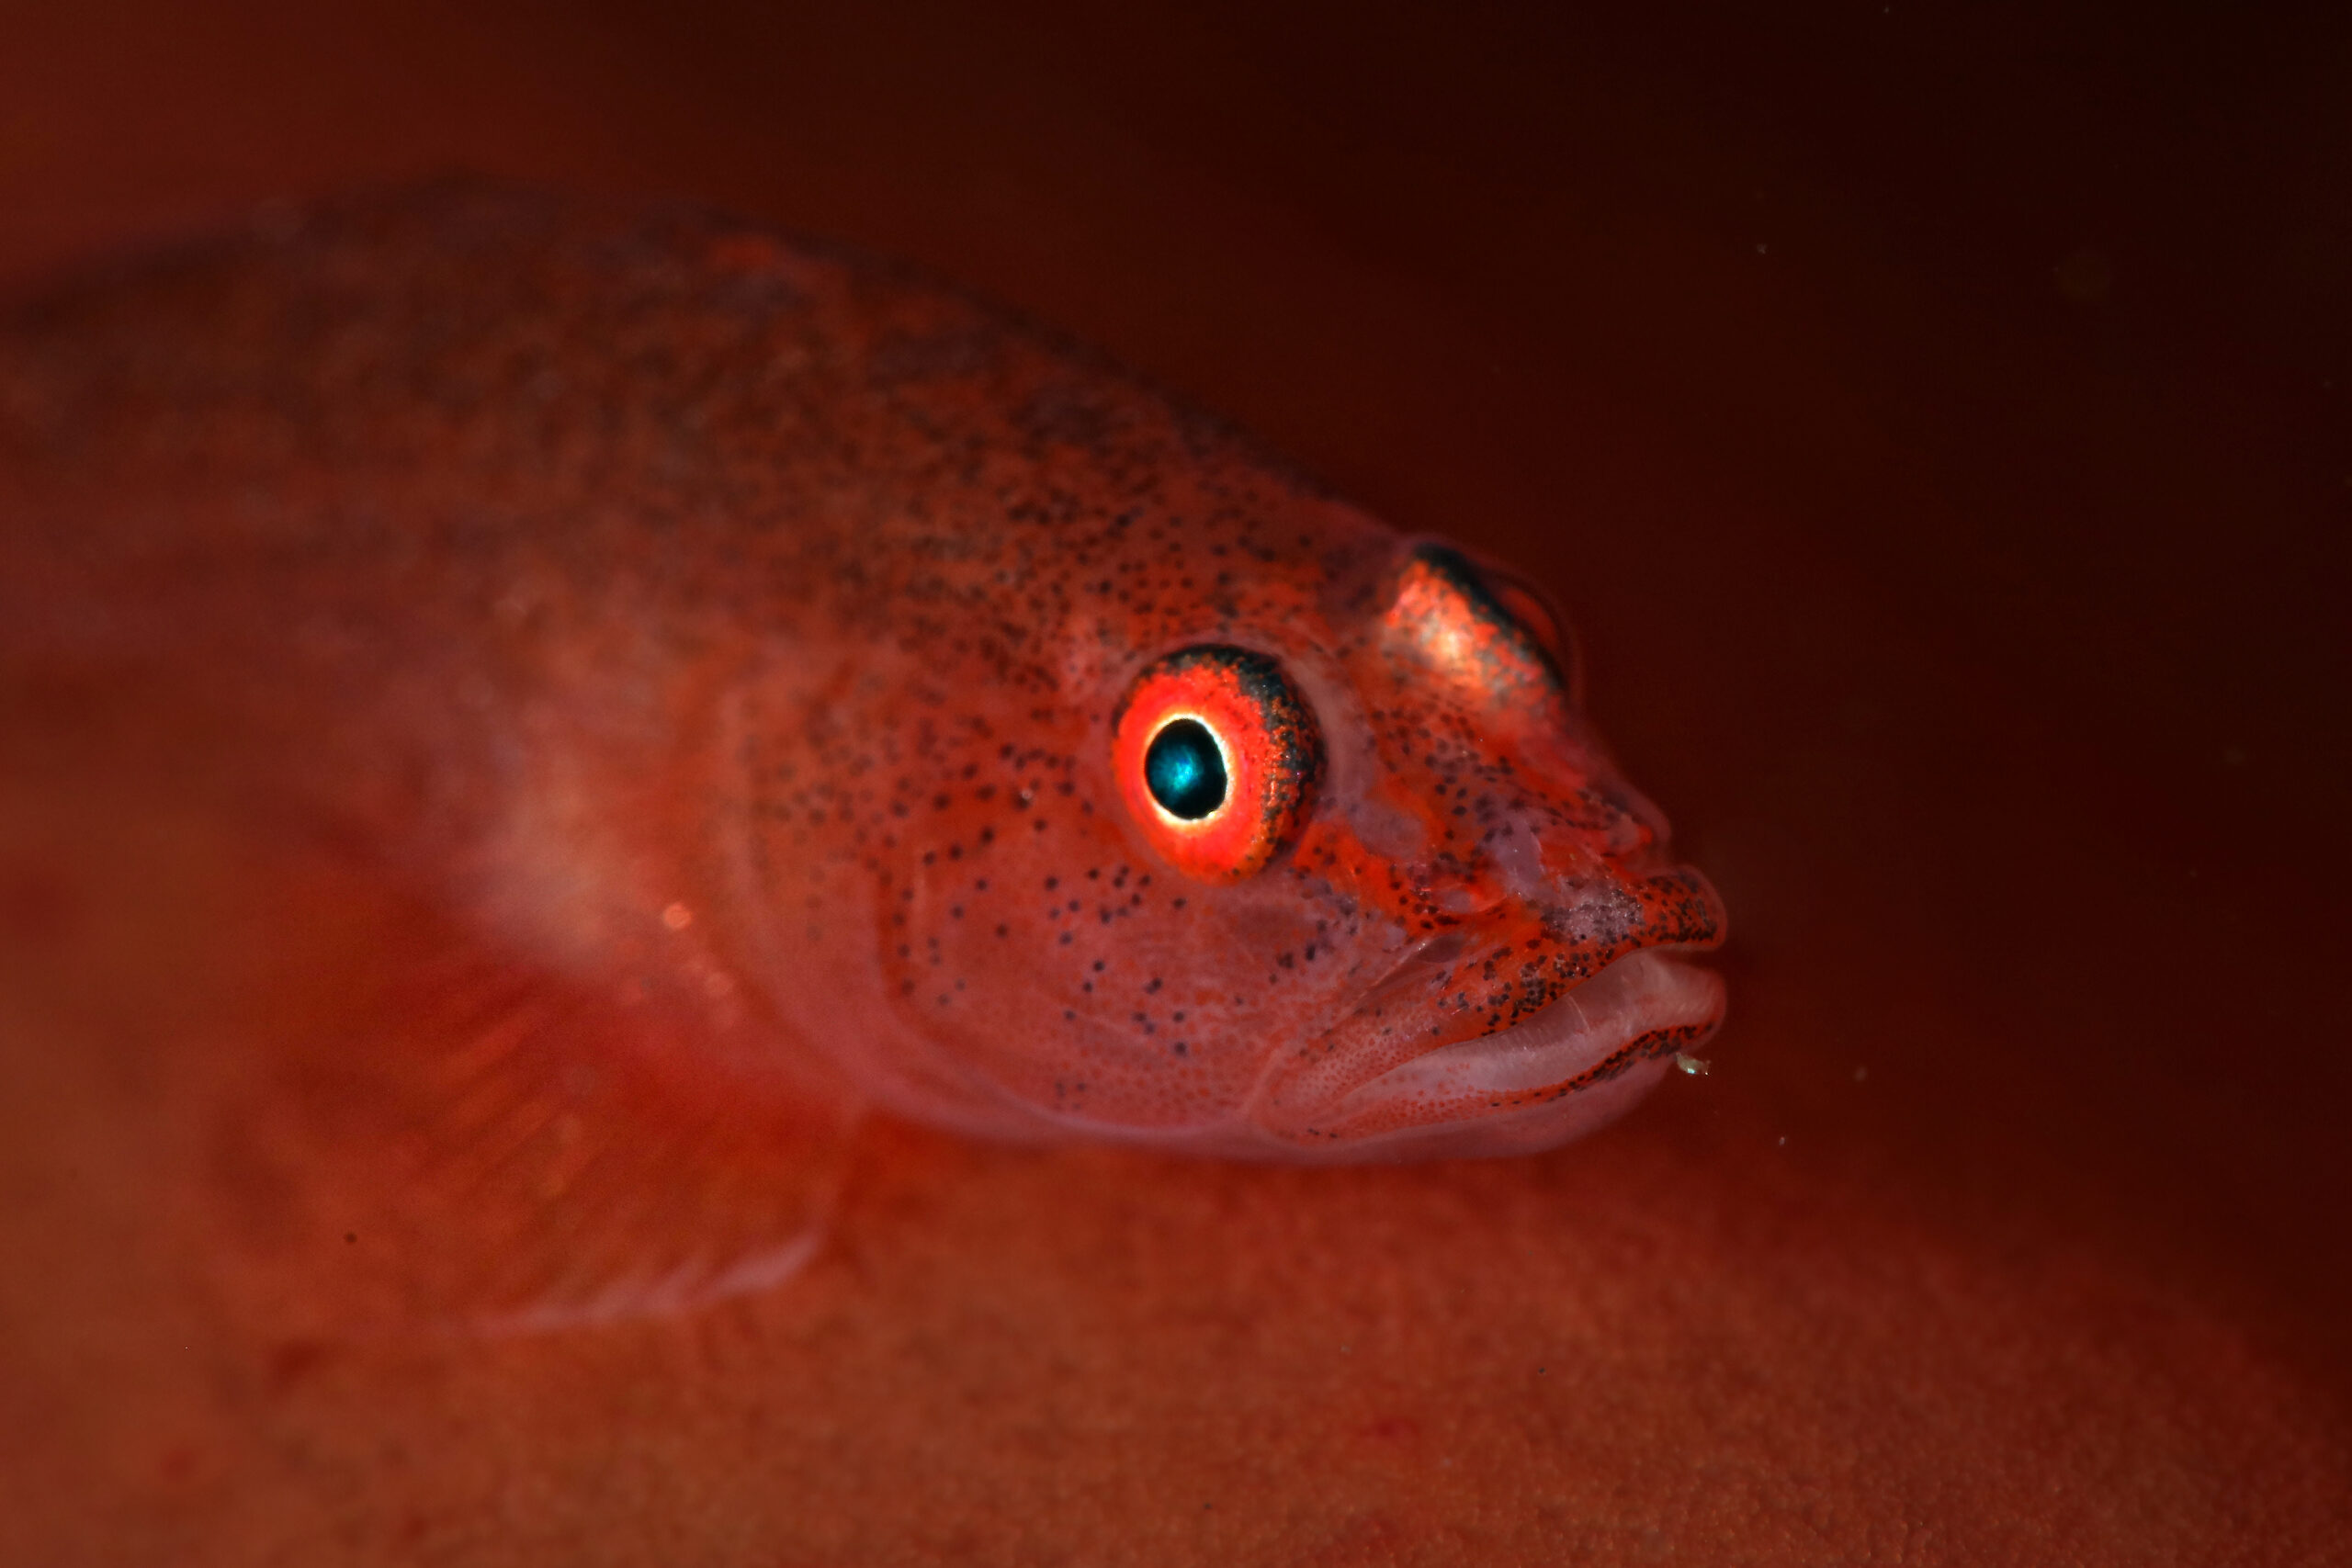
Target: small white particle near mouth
[{"x": 1640, "y": 993}]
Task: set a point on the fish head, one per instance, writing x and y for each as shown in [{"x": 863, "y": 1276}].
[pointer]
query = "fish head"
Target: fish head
[
  {"x": 1530, "y": 925},
  {"x": 1336, "y": 870}
]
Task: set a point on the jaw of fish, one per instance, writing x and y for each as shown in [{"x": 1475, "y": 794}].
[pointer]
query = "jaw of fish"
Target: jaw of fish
[{"x": 1459, "y": 1052}]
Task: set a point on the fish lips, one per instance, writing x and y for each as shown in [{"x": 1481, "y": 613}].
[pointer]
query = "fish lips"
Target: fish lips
[{"x": 1575, "y": 1064}]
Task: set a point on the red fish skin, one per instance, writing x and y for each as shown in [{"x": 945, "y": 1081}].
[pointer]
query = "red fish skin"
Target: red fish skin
[{"x": 763, "y": 659}]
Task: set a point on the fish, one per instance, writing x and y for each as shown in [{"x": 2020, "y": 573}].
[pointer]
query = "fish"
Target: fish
[{"x": 749, "y": 686}]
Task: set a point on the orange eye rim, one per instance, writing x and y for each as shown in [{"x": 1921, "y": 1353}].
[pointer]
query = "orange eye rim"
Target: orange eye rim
[{"x": 1265, "y": 736}]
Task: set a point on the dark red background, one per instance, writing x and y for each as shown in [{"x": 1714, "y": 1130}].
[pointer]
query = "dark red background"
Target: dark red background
[{"x": 1935, "y": 418}]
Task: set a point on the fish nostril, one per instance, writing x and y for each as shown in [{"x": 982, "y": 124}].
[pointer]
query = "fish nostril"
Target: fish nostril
[
  {"x": 1628, "y": 843},
  {"x": 1634, "y": 823},
  {"x": 1444, "y": 948}
]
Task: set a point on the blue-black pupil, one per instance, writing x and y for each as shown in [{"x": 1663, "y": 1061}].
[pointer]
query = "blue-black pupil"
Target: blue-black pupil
[{"x": 1184, "y": 769}]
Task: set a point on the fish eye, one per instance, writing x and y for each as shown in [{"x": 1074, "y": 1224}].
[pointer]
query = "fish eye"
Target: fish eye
[{"x": 1217, "y": 758}]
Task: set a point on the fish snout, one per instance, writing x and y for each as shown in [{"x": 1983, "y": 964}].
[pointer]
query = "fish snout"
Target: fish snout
[
  {"x": 1514, "y": 1029},
  {"x": 1594, "y": 868}
]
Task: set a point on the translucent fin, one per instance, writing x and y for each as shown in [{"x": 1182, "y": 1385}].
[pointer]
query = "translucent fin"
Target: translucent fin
[{"x": 444, "y": 1138}]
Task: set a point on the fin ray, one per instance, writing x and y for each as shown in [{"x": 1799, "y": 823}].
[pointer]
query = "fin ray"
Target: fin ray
[{"x": 470, "y": 1141}]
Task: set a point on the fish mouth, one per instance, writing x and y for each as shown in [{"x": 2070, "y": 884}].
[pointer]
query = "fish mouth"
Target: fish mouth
[
  {"x": 1647, "y": 1004},
  {"x": 1579, "y": 1063}
]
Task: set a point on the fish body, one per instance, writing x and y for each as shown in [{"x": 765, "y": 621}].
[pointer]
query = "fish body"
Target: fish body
[{"x": 779, "y": 680}]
